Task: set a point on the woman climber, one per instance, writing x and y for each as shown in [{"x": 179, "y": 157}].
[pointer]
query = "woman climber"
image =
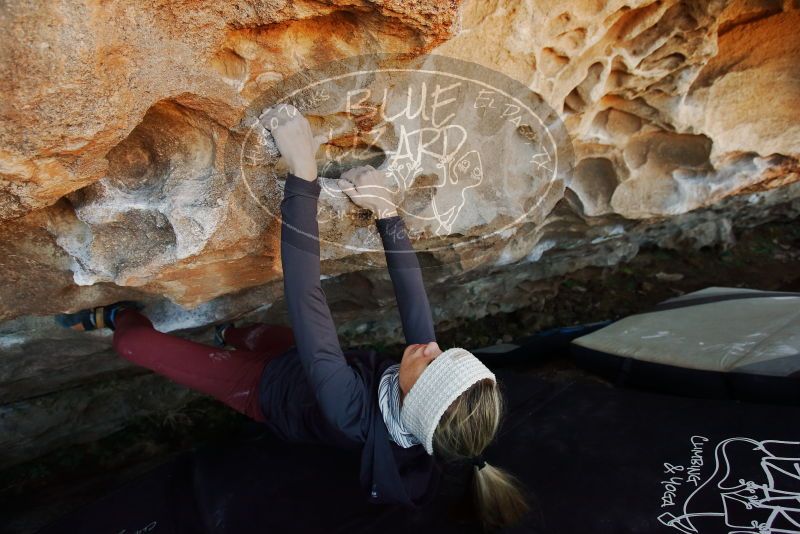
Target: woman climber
[{"x": 406, "y": 419}]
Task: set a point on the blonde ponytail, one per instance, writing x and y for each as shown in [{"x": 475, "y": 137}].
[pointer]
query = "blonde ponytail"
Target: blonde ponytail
[
  {"x": 498, "y": 497},
  {"x": 467, "y": 427}
]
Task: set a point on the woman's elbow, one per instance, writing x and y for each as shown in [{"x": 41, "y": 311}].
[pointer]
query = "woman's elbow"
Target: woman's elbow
[{"x": 349, "y": 416}]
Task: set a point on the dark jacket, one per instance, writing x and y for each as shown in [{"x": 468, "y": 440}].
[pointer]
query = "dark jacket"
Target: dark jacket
[{"x": 316, "y": 392}]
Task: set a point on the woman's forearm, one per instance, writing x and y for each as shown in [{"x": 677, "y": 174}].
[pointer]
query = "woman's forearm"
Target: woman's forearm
[
  {"x": 406, "y": 275},
  {"x": 338, "y": 389}
]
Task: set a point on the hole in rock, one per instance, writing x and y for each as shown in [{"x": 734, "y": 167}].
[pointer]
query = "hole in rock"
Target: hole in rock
[
  {"x": 594, "y": 182},
  {"x": 163, "y": 183},
  {"x": 574, "y": 101}
]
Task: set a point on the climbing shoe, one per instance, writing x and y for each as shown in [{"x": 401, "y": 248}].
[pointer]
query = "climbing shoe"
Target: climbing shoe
[
  {"x": 219, "y": 334},
  {"x": 94, "y": 318}
]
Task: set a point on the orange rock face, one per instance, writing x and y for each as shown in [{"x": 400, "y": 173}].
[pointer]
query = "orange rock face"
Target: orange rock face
[{"x": 116, "y": 118}]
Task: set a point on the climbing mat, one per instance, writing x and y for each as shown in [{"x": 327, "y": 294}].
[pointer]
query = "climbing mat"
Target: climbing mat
[
  {"x": 594, "y": 458},
  {"x": 719, "y": 343}
]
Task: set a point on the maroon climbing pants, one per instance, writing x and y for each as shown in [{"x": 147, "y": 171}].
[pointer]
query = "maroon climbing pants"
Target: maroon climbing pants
[{"x": 229, "y": 375}]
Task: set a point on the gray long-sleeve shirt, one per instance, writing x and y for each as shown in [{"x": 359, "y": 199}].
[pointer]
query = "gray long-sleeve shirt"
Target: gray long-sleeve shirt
[{"x": 316, "y": 391}]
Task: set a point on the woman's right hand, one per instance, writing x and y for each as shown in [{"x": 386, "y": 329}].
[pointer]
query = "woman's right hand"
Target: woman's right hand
[
  {"x": 368, "y": 188},
  {"x": 292, "y": 133}
]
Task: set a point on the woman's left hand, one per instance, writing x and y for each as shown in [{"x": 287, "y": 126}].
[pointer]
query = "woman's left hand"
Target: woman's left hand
[
  {"x": 367, "y": 188},
  {"x": 295, "y": 141}
]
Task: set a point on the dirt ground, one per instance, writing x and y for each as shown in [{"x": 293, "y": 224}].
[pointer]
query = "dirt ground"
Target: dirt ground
[{"x": 766, "y": 257}]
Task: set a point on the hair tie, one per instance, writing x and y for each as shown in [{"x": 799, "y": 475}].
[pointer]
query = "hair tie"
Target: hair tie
[{"x": 479, "y": 462}]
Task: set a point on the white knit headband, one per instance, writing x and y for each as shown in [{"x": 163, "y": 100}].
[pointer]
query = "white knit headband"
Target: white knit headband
[{"x": 449, "y": 375}]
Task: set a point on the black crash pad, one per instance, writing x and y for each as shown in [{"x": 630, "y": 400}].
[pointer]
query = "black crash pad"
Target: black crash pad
[{"x": 595, "y": 458}]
